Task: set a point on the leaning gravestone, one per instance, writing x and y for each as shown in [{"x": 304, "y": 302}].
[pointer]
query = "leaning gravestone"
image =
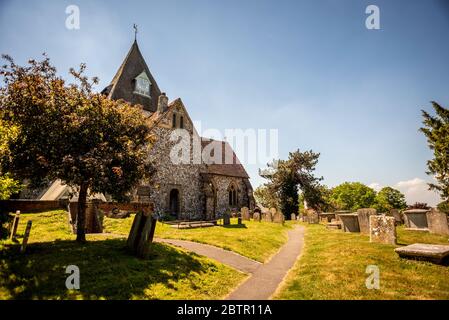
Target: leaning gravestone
[
  {"x": 245, "y": 214},
  {"x": 256, "y": 216},
  {"x": 437, "y": 222},
  {"x": 141, "y": 235},
  {"x": 363, "y": 217},
  {"x": 382, "y": 229},
  {"x": 26, "y": 236},
  {"x": 293, "y": 217}
]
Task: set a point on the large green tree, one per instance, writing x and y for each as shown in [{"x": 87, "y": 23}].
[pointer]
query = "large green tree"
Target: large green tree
[
  {"x": 8, "y": 186},
  {"x": 287, "y": 177},
  {"x": 352, "y": 196},
  {"x": 436, "y": 130},
  {"x": 68, "y": 132},
  {"x": 388, "y": 198},
  {"x": 265, "y": 197}
]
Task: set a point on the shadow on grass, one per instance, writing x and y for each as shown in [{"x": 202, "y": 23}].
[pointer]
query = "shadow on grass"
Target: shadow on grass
[{"x": 106, "y": 270}]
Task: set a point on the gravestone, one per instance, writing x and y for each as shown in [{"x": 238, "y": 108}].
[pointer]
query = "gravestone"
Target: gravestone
[
  {"x": 93, "y": 216},
  {"x": 349, "y": 222},
  {"x": 141, "y": 235},
  {"x": 382, "y": 229},
  {"x": 416, "y": 218},
  {"x": 267, "y": 216},
  {"x": 396, "y": 215},
  {"x": 313, "y": 217},
  {"x": 239, "y": 220},
  {"x": 278, "y": 217},
  {"x": 363, "y": 217},
  {"x": 26, "y": 236},
  {"x": 437, "y": 222},
  {"x": 293, "y": 217},
  {"x": 328, "y": 216},
  {"x": 256, "y": 216},
  {"x": 15, "y": 224},
  {"x": 226, "y": 219},
  {"x": 245, "y": 214}
]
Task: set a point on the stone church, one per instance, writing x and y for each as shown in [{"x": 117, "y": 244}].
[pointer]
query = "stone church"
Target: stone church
[{"x": 202, "y": 189}]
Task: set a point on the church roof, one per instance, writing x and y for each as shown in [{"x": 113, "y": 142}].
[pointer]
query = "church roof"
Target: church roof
[
  {"x": 123, "y": 84},
  {"x": 229, "y": 164}
]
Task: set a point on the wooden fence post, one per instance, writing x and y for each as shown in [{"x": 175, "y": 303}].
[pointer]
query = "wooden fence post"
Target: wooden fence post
[{"x": 15, "y": 224}]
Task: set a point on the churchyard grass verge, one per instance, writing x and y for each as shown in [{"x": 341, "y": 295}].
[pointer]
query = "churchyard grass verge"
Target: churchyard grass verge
[
  {"x": 333, "y": 266},
  {"x": 255, "y": 240},
  {"x": 107, "y": 270}
]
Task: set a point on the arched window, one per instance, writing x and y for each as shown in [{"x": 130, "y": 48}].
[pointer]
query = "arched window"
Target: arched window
[
  {"x": 181, "y": 122},
  {"x": 174, "y": 120},
  {"x": 232, "y": 192}
]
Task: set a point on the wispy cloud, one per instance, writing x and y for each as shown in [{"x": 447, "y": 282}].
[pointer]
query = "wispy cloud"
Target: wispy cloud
[{"x": 415, "y": 190}]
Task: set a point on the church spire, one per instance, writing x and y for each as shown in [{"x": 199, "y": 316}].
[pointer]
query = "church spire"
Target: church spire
[{"x": 127, "y": 83}]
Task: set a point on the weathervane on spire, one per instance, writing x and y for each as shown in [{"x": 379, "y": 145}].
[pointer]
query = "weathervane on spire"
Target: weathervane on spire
[{"x": 135, "y": 32}]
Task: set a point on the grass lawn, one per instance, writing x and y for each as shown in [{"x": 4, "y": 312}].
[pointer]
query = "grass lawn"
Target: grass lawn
[
  {"x": 333, "y": 266},
  {"x": 255, "y": 240},
  {"x": 106, "y": 269}
]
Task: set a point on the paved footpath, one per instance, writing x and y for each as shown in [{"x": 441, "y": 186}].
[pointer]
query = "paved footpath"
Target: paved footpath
[
  {"x": 227, "y": 257},
  {"x": 266, "y": 279}
]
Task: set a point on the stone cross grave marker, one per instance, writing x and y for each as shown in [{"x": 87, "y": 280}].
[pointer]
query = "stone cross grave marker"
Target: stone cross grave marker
[
  {"x": 15, "y": 224},
  {"x": 363, "y": 217},
  {"x": 26, "y": 236},
  {"x": 382, "y": 229},
  {"x": 437, "y": 222}
]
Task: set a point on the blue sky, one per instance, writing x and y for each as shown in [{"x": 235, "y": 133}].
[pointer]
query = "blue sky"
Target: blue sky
[{"x": 308, "y": 68}]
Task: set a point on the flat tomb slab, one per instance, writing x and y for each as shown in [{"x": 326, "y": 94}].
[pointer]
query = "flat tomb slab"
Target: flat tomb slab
[
  {"x": 436, "y": 253},
  {"x": 193, "y": 225}
]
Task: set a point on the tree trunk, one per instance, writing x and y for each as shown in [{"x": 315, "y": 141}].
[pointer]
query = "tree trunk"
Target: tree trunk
[{"x": 81, "y": 217}]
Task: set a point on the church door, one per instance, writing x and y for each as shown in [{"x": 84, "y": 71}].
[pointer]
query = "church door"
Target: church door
[{"x": 174, "y": 203}]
